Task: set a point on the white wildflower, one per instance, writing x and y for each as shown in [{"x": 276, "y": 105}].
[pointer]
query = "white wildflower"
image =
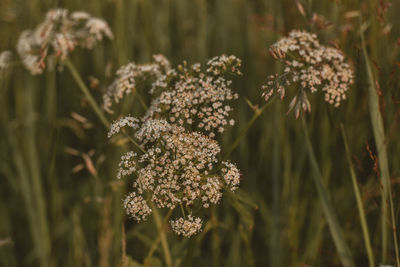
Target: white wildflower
[
  {"x": 127, "y": 164},
  {"x": 57, "y": 36},
  {"x": 186, "y": 227},
  {"x": 313, "y": 67},
  {"x": 178, "y": 164},
  {"x": 136, "y": 206},
  {"x": 129, "y": 75},
  {"x": 231, "y": 175},
  {"x": 5, "y": 59},
  {"x": 121, "y": 123}
]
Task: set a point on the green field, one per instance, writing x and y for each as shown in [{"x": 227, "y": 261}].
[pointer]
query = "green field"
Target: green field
[{"x": 304, "y": 199}]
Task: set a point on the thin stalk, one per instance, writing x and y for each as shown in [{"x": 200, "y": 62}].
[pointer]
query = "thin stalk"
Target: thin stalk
[
  {"x": 163, "y": 237},
  {"x": 379, "y": 135},
  {"x": 51, "y": 96},
  {"x": 93, "y": 103},
  {"x": 152, "y": 248},
  {"x": 27, "y": 194},
  {"x": 336, "y": 231},
  {"x": 133, "y": 141},
  {"x": 157, "y": 240},
  {"x": 142, "y": 102},
  {"x": 33, "y": 165},
  {"x": 242, "y": 134},
  {"x": 123, "y": 246},
  {"x": 86, "y": 92},
  {"x": 360, "y": 205},
  {"x": 183, "y": 211}
]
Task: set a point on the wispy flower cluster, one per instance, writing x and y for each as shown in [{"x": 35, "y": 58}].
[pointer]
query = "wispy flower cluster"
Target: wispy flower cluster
[
  {"x": 186, "y": 96},
  {"x": 311, "y": 67},
  {"x": 5, "y": 63},
  {"x": 128, "y": 76},
  {"x": 5, "y": 59},
  {"x": 178, "y": 167},
  {"x": 187, "y": 227},
  {"x": 58, "y": 35}
]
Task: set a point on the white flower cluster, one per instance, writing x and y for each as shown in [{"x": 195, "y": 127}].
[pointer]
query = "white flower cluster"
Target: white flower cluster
[
  {"x": 127, "y": 165},
  {"x": 179, "y": 163},
  {"x": 185, "y": 96},
  {"x": 116, "y": 126},
  {"x": 130, "y": 75},
  {"x": 221, "y": 64},
  {"x": 311, "y": 66},
  {"x": 198, "y": 100},
  {"x": 5, "y": 59},
  {"x": 178, "y": 167},
  {"x": 136, "y": 206},
  {"x": 186, "y": 227},
  {"x": 231, "y": 175},
  {"x": 58, "y": 35}
]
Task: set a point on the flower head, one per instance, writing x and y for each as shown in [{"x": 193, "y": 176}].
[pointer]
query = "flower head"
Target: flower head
[
  {"x": 179, "y": 161},
  {"x": 185, "y": 96},
  {"x": 186, "y": 227},
  {"x": 136, "y": 206},
  {"x": 58, "y": 35},
  {"x": 312, "y": 67},
  {"x": 128, "y": 76},
  {"x": 5, "y": 60},
  {"x": 231, "y": 175},
  {"x": 177, "y": 168}
]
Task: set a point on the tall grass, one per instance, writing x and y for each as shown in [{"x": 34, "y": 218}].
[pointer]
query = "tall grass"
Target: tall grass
[{"x": 56, "y": 212}]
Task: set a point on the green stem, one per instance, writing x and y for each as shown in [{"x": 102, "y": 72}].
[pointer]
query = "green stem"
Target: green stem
[
  {"x": 152, "y": 249},
  {"x": 337, "y": 234},
  {"x": 93, "y": 103},
  {"x": 257, "y": 113},
  {"x": 133, "y": 141},
  {"x": 163, "y": 237},
  {"x": 35, "y": 176},
  {"x": 379, "y": 135},
  {"x": 86, "y": 92},
  {"x": 158, "y": 239},
  {"x": 29, "y": 199},
  {"x": 142, "y": 102},
  {"x": 183, "y": 211},
  {"x": 360, "y": 206}
]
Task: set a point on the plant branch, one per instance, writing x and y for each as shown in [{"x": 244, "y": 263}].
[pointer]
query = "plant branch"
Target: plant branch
[{"x": 86, "y": 92}]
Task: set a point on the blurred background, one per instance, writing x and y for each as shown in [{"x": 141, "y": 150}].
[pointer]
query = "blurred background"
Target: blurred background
[{"x": 60, "y": 201}]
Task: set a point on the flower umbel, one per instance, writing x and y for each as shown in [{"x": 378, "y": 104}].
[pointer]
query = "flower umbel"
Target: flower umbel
[
  {"x": 136, "y": 206},
  {"x": 186, "y": 96},
  {"x": 128, "y": 76},
  {"x": 186, "y": 227},
  {"x": 58, "y": 35},
  {"x": 5, "y": 63},
  {"x": 178, "y": 167},
  {"x": 310, "y": 66},
  {"x": 5, "y": 59}
]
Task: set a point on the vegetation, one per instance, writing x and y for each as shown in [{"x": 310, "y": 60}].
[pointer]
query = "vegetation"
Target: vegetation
[{"x": 318, "y": 190}]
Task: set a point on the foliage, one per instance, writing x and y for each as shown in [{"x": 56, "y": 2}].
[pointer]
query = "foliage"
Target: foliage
[{"x": 61, "y": 204}]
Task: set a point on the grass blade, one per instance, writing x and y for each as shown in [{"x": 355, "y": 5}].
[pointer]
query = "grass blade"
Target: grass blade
[
  {"x": 379, "y": 136},
  {"x": 327, "y": 207},
  {"x": 360, "y": 206}
]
